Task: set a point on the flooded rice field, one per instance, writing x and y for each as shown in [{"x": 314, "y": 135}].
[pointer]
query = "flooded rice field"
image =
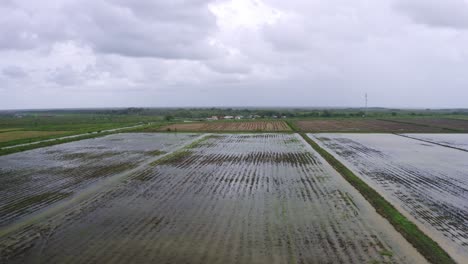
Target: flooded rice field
[
  {"x": 33, "y": 180},
  {"x": 263, "y": 198},
  {"x": 427, "y": 182},
  {"x": 458, "y": 141}
]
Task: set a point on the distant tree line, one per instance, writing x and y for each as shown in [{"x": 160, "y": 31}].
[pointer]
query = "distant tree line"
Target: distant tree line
[{"x": 202, "y": 113}]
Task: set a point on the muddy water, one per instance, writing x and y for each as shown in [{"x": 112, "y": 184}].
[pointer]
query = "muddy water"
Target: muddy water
[
  {"x": 33, "y": 180},
  {"x": 459, "y": 141},
  {"x": 263, "y": 198},
  {"x": 427, "y": 182},
  {"x": 68, "y": 137}
]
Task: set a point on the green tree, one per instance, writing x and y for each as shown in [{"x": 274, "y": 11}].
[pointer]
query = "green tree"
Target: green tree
[{"x": 168, "y": 118}]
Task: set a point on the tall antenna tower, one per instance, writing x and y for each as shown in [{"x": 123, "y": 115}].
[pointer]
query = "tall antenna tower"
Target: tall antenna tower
[{"x": 365, "y": 111}]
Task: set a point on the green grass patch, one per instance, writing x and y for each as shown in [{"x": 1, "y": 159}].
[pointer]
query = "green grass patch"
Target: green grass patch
[
  {"x": 180, "y": 155},
  {"x": 173, "y": 158},
  {"x": 34, "y": 200},
  {"x": 292, "y": 125},
  {"x": 386, "y": 253},
  {"x": 424, "y": 244},
  {"x": 156, "y": 152}
]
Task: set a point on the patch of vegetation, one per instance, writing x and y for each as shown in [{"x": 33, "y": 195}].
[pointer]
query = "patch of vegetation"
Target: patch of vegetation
[
  {"x": 87, "y": 155},
  {"x": 173, "y": 158},
  {"x": 424, "y": 244},
  {"x": 386, "y": 253},
  {"x": 292, "y": 125},
  {"x": 291, "y": 141},
  {"x": 36, "y": 199},
  {"x": 155, "y": 152},
  {"x": 180, "y": 155},
  {"x": 149, "y": 128}
]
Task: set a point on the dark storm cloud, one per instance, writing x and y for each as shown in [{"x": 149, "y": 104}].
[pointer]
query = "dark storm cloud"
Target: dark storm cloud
[{"x": 437, "y": 13}]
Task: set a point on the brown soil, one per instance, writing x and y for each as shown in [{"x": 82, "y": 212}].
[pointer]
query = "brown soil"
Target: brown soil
[
  {"x": 364, "y": 125},
  {"x": 229, "y": 126}
]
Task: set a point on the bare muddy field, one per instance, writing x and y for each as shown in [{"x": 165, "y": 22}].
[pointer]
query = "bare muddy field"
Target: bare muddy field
[
  {"x": 362, "y": 125},
  {"x": 458, "y": 141},
  {"x": 33, "y": 180},
  {"x": 427, "y": 182},
  {"x": 459, "y": 125},
  {"x": 263, "y": 198}
]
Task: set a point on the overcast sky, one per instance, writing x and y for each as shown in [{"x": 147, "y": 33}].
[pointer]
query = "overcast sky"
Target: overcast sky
[{"x": 120, "y": 53}]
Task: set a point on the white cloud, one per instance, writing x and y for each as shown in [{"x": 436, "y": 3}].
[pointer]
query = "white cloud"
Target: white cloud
[{"x": 238, "y": 52}]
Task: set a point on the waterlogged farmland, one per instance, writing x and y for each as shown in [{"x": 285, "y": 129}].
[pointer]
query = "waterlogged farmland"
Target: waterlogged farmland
[
  {"x": 244, "y": 198},
  {"x": 458, "y": 141},
  {"x": 427, "y": 182},
  {"x": 33, "y": 180}
]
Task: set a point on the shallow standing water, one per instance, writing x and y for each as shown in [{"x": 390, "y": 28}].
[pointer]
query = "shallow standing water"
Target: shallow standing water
[
  {"x": 425, "y": 181},
  {"x": 263, "y": 198},
  {"x": 459, "y": 141},
  {"x": 33, "y": 180}
]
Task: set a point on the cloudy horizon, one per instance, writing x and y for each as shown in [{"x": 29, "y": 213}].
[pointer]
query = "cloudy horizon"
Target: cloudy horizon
[{"x": 302, "y": 53}]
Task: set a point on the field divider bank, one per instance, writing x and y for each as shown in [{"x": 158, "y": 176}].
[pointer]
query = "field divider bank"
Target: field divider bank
[
  {"x": 292, "y": 125},
  {"x": 423, "y": 243},
  {"x": 432, "y": 142},
  {"x": 95, "y": 188}
]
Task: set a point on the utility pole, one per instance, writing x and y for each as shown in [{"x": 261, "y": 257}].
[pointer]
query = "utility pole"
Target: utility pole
[{"x": 365, "y": 111}]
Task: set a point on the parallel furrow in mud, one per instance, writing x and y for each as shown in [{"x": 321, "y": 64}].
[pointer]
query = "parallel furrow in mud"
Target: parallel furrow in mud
[
  {"x": 33, "y": 180},
  {"x": 263, "y": 198},
  {"x": 428, "y": 181}
]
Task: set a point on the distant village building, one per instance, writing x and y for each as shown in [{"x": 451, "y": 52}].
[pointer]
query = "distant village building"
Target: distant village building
[
  {"x": 239, "y": 117},
  {"x": 212, "y": 118},
  {"x": 228, "y": 117}
]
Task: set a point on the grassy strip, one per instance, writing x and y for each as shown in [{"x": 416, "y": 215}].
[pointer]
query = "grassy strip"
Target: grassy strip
[
  {"x": 424, "y": 244},
  {"x": 292, "y": 125},
  {"x": 149, "y": 128}
]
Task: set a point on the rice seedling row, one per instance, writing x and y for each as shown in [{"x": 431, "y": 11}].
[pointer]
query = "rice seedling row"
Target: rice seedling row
[
  {"x": 265, "y": 126},
  {"x": 258, "y": 198},
  {"x": 427, "y": 182},
  {"x": 33, "y": 180}
]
